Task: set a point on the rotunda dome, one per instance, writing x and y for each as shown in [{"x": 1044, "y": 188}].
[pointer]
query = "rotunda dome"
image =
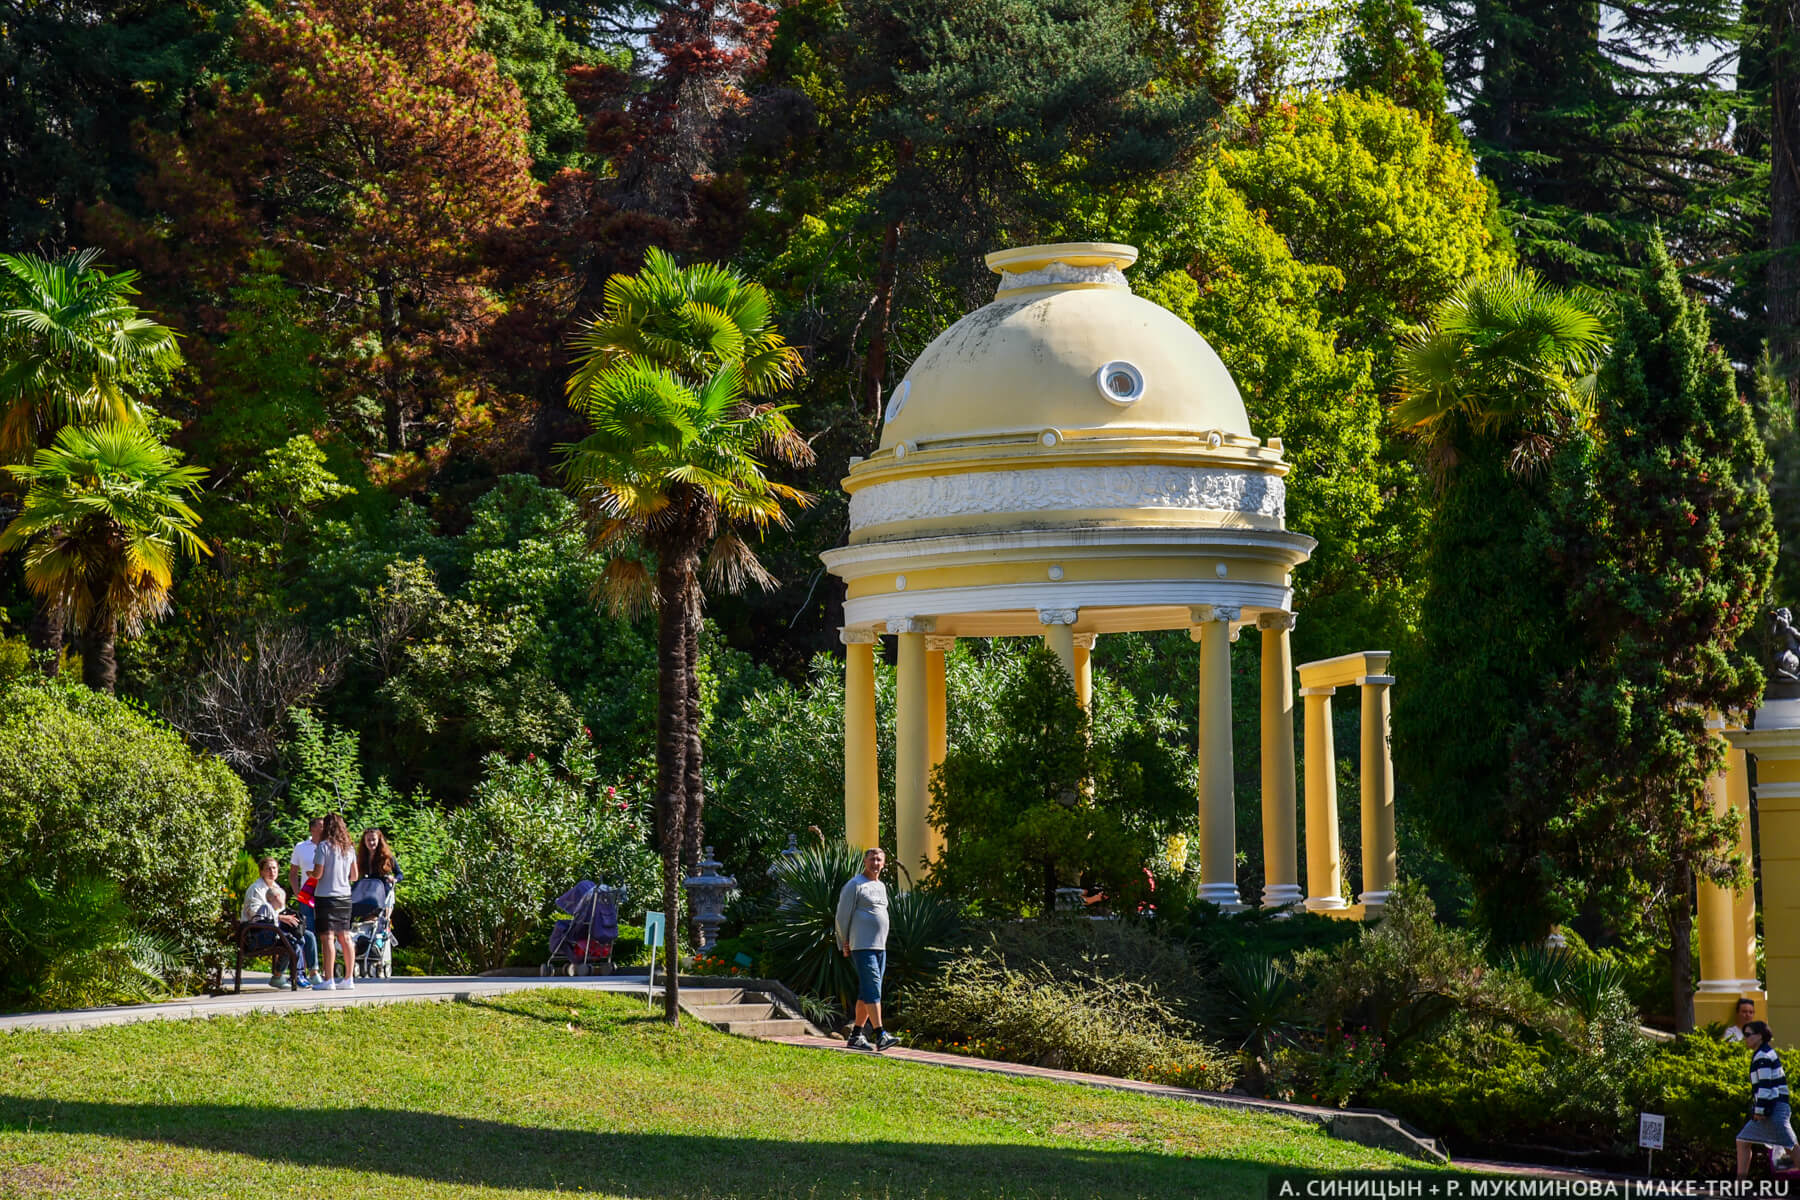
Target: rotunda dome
[
  {"x": 1063, "y": 345},
  {"x": 1067, "y": 449}
]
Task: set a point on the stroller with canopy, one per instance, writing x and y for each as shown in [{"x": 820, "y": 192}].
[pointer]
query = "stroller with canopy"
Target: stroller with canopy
[
  {"x": 583, "y": 944},
  {"x": 371, "y": 927}
]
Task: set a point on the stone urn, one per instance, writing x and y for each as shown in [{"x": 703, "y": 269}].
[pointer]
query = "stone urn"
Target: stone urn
[
  {"x": 784, "y": 891},
  {"x": 707, "y": 893}
]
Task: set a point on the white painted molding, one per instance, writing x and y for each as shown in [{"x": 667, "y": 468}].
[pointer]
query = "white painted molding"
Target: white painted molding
[
  {"x": 1052, "y": 274},
  {"x": 1282, "y": 895},
  {"x": 858, "y": 637},
  {"x": 1318, "y": 691},
  {"x": 1374, "y": 680},
  {"x": 1778, "y": 791},
  {"x": 1086, "y": 640},
  {"x": 1727, "y": 986},
  {"x": 1325, "y": 903},
  {"x": 1058, "y": 616},
  {"x": 1060, "y": 489},
  {"x": 1277, "y": 622},
  {"x": 1174, "y": 595},
  {"x": 910, "y": 624},
  {"x": 1202, "y": 613}
]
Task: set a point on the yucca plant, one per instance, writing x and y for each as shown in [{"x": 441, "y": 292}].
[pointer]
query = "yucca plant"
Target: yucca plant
[{"x": 802, "y": 946}]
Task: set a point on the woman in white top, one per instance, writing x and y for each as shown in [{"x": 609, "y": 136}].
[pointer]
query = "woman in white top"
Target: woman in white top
[{"x": 335, "y": 870}]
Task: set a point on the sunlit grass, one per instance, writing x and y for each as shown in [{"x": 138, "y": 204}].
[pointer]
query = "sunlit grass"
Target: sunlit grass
[{"x": 563, "y": 1092}]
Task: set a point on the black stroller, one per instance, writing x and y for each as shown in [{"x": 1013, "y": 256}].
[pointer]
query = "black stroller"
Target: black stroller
[
  {"x": 371, "y": 928},
  {"x": 583, "y": 945}
]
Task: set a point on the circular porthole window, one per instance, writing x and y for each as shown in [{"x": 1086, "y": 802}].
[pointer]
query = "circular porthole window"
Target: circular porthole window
[
  {"x": 1120, "y": 382},
  {"x": 897, "y": 401}
]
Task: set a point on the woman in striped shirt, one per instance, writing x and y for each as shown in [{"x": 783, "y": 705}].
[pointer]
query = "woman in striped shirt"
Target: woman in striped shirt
[{"x": 1769, "y": 1123}]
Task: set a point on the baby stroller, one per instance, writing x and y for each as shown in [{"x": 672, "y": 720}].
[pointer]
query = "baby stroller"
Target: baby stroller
[
  {"x": 583, "y": 945},
  {"x": 371, "y": 927}
]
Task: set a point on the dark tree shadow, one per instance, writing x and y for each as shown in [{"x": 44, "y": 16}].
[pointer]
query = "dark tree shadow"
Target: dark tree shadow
[{"x": 448, "y": 1149}]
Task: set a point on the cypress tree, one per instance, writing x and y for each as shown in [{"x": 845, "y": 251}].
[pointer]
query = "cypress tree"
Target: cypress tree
[{"x": 1660, "y": 530}]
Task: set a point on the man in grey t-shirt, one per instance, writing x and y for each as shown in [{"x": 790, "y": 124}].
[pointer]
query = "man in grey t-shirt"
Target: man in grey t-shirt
[{"x": 862, "y": 929}]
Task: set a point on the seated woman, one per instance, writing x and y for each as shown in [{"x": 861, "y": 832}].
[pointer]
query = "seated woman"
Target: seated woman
[{"x": 264, "y": 902}]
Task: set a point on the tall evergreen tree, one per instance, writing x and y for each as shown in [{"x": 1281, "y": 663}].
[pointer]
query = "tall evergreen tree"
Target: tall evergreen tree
[
  {"x": 970, "y": 119},
  {"x": 1661, "y": 535},
  {"x": 1590, "y": 132},
  {"x": 1497, "y": 380}
]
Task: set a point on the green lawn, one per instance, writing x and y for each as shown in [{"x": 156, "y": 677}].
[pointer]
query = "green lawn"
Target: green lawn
[{"x": 564, "y": 1092}]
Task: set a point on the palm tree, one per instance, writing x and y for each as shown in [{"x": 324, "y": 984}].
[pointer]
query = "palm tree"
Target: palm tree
[
  {"x": 100, "y": 527},
  {"x": 664, "y": 374},
  {"x": 72, "y": 346},
  {"x": 1505, "y": 358}
]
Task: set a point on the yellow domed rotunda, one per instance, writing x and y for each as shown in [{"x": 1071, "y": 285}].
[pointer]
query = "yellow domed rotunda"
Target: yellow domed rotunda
[{"x": 1068, "y": 461}]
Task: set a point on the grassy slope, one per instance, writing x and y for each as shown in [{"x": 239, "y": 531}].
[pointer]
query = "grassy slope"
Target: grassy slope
[{"x": 566, "y": 1092}]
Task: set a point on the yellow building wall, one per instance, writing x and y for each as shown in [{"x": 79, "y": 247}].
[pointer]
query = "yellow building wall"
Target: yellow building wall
[{"x": 1778, "y": 818}]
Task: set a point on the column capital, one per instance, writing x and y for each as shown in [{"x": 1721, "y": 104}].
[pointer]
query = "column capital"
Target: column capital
[
  {"x": 1200, "y": 614},
  {"x": 938, "y": 643},
  {"x": 1374, "y": 680},
  {"x": 1086, "y": 640},
  {"x": 1058, "y": 616},
  {"x": 1318, "y": 691},
  {"x": 858, "y": 637},
  {"x": 910, "y": 624},
  {"x": 1278, "y": 622}
]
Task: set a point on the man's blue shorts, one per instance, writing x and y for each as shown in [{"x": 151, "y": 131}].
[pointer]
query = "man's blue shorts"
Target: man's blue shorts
[{"x": 870, "y": 966}]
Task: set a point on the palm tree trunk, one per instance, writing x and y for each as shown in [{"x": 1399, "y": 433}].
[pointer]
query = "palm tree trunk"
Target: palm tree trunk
[
  {"x": 674, "y": 578},
  {"x": 696, "y": 793},
  {"x": 99, "y": 658},
  {"x": 45, "y": 633}
]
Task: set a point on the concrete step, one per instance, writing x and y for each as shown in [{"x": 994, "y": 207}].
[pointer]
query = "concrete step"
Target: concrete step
[
  {"x": 717, "y": 1013},
  {"x": 712, "y": 997},
  {"x": 769, "y": 1028}
]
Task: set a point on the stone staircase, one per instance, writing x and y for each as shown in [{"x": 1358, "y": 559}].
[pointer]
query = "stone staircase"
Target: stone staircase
[{"x": 748, "y": 1011}]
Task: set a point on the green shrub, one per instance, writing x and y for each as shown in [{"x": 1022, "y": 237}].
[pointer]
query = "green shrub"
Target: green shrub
[
  {"x": 92, "y": 786},
  {"x": 75, "y": 946},
  {"x": 1489, "y": 1091},
  {"x": 529, "y": 833},
  {"x": 1119, "y": 1028},
  {"x": 1099, "y": 953}
]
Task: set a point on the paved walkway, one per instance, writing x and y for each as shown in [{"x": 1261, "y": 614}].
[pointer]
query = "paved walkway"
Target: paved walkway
[{"x": 260, "y": 997}]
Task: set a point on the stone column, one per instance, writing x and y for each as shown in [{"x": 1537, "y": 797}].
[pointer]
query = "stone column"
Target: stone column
[
  {"x": 1281, "y": 871},
  {"x": 1324, "y": 868},
  {"x": 862, "y": 795},
  {"x": 1218, "y": 808},
  {"x": 1084, "y": 670},
  {"x": 912, "y": 832},
  {"x": 936, "y": 729},
  {"x": 1778, "y": 819},
  {"x": 1059, "y": 636},
  {"x": 1378, "y": 851}
]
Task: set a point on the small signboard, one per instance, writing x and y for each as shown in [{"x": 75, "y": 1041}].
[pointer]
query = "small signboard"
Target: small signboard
[{"x": 1650, "y": 1131}]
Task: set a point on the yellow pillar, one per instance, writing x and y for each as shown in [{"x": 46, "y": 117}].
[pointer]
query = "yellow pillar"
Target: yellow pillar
[
  {"x": 1716, "y": 995},
  {"x": 1776, "y": 743},
  {"x": 1324, "y": 868},
  {"x": 1059, "y": 637},
  {"x": 1743, "y": 901},
  {"x": 1281, "y": 870},
  {"x": 936, "y": 729},
  {"x": 1084, "y": 670},
  {"x": 912, "y": 832},
  {"x": 1378, "y": 849},
  {"x": 862, "y": 797},
  {"x": 1218, "y": 806}
]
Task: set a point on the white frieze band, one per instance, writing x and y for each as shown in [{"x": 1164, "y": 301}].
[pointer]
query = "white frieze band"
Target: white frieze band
[
  {"x": 1054, "y": 273},
  {"x": 1058, "y": 489}
]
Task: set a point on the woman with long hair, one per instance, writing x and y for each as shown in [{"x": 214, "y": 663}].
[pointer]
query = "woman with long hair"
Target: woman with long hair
[
  {"x": 374, "y": 857},
  {"x": 334, "y": 870},
  {"x": 1769, "y": 1124}
]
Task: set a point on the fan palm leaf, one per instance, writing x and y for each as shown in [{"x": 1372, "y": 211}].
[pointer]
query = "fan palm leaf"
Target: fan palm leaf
[
  {"x": 1507, "y": 357},
  {"x": 72, "y": 345}
]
